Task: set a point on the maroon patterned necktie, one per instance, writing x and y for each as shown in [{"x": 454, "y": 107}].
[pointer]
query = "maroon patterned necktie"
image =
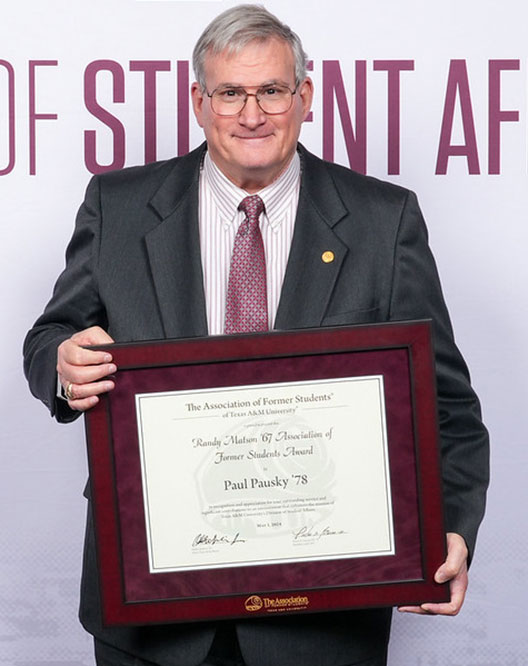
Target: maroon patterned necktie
[{"x": 246, "y": 301}]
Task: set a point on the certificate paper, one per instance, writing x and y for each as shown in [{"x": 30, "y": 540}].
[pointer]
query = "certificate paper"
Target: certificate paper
[{"x": 275, "y": 473}]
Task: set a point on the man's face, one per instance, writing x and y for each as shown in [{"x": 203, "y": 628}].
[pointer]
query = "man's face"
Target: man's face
[{"x": 252, "y": 148}]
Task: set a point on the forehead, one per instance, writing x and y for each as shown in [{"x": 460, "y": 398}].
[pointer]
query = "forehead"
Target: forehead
[{"x": 255, "y": 63}]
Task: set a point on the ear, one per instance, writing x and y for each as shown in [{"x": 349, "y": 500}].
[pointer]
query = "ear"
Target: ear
[
  {"x": 198, "y": 98},
  {"x": 305, "y": 92}
]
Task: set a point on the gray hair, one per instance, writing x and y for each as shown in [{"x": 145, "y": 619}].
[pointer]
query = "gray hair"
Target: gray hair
[{"x": 237, "y": 27}]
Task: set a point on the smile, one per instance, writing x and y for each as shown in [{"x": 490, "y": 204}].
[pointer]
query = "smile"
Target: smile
[{"x": 251, "y": 137}]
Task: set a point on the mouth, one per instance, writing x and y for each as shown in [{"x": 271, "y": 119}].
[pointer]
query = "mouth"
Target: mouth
[{"x": 251, "y": 137}]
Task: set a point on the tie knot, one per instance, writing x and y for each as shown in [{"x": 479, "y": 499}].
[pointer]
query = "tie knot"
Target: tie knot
[{"x": 252, "y": 206}]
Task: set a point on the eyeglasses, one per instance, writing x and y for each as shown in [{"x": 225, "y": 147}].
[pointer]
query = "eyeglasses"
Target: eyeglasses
[{"x": 273, "y": 99}]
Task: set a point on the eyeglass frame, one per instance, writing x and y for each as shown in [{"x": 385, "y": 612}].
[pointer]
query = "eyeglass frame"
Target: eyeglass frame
[{"x": 255, "y": 95}]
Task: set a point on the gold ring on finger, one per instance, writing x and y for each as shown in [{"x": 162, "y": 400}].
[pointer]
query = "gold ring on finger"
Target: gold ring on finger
[{"x": 68, "y": 392}]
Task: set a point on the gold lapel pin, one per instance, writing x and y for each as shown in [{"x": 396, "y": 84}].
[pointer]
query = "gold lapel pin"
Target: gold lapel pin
[{"x": 328, "y": 256}]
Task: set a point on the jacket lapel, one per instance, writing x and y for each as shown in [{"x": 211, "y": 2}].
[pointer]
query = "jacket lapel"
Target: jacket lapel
[
  {"x": 310, "y": 280},
  {"x": 174, "y": 250}
]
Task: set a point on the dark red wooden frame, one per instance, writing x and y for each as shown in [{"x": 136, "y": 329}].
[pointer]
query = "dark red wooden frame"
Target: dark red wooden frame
[{"x": 400, "y": 352}]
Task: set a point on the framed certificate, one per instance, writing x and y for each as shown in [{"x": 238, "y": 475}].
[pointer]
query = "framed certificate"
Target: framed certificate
[{"x": 258, "y": 474}]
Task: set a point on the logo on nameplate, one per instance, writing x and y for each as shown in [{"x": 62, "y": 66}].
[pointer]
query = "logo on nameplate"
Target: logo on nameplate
[
  {"x": 276, "y": 604},
  {"x": 253, "y": 603}
]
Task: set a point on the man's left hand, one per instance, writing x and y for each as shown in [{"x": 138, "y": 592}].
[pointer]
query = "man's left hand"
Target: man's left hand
[{"x": 454, "y": 569}]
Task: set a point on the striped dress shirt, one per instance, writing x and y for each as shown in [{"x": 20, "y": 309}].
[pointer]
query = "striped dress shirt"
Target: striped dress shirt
[{"x": 219, "y": 219}]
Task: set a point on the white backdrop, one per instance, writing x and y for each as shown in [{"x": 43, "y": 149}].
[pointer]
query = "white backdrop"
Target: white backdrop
[{"x": 462, "y": 82}]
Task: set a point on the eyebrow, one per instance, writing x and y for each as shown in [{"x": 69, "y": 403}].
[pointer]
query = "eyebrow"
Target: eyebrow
[{"x": 271, "y": 82}]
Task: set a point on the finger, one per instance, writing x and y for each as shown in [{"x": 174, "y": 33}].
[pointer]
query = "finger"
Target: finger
[
  {"x": 456, "y": 560},
  {"x": 85, "y": 404},
  {"x": 449, "y": 608},
  {"x": 417, "y": 610},
  {"x": 84, "y": 391},
  {"x": 72, "y": 353},
  {"x": 84, "y": 374}
]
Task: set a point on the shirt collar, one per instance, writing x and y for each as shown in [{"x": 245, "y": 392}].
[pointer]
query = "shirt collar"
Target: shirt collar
[{"x": 276, "y": 196}]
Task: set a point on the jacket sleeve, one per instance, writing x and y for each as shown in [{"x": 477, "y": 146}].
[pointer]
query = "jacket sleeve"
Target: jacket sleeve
[
  {"x": 74, "y": 306},
  {"x": 416, "y": 293}
]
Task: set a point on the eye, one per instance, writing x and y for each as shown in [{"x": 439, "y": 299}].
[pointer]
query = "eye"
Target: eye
[
  {"x": 229, "y": 94},
  {"x": 270, "y": 91}
]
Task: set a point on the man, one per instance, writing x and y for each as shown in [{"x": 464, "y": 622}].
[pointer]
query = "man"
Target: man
[{"x": 155, "y": 254}]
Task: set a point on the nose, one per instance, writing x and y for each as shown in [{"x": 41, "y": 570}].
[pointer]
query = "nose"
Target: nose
[{"x": 252, "y": 115}]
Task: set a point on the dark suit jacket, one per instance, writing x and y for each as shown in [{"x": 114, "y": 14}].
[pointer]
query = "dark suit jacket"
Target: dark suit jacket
[{"x": 134, "y": 268}]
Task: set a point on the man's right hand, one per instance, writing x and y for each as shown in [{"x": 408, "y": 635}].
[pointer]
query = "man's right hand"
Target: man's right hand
[{"x": 81, "y": 371}]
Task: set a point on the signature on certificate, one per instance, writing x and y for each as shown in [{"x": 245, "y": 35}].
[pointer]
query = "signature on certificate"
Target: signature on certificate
[
  {"x": 217, "y": 540},
  {"x": 307, "y": 532}
]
